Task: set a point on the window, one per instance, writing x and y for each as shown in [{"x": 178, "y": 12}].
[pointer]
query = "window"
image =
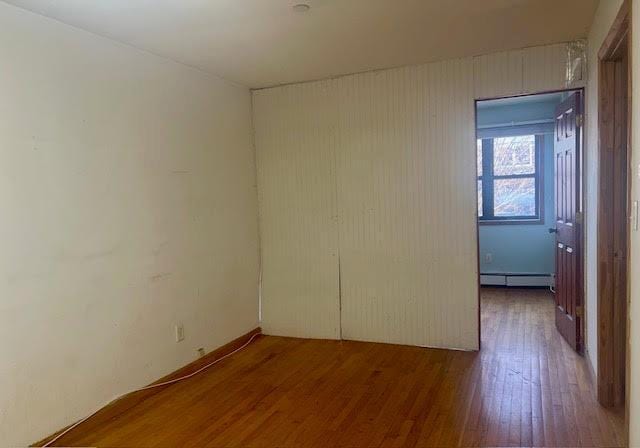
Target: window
[{"x": 509, "y": 187}]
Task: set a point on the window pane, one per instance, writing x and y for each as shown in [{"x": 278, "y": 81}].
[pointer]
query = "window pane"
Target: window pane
[
  {"x": 480, "y": 198},
  {"x": 514, "y": 155},
  {"x": 514, "y": 197},
  {"x": 479, "y": 156}
]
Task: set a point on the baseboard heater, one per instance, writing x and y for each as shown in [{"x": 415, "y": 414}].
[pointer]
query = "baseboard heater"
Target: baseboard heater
[{"x": 517, "y": 279}]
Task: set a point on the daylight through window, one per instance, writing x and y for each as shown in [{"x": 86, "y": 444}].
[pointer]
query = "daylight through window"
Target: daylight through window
[{"x": 509, "y": 178}]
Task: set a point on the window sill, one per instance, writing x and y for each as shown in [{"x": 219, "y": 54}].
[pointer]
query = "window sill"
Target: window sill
[{"x": 508, "y": 222}]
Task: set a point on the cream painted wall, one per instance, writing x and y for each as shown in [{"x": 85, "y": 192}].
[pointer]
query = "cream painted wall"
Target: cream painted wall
[
  {"x": 606, "y": 13},
  {"x": 128, "y": 203},
  {"x": 368, "y": 198},
  {"x": 634, "y": 267}
]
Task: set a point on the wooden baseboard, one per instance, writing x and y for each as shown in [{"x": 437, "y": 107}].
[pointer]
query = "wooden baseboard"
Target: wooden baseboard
[{"x": 116, "y": 408}]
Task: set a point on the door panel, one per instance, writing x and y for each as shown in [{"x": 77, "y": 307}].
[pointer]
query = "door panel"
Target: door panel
[{"x": 568, "y": 297}]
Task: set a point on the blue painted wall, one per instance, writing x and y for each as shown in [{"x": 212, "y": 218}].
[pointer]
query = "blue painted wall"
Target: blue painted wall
[{"x": 516, "y": 248}]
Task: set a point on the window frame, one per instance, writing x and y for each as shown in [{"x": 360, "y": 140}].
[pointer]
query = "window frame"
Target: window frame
[{"x": 487, "y": 180}]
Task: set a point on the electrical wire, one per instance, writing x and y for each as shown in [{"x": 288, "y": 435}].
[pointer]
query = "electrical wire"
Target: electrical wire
[{"x": 151, "y": 386}]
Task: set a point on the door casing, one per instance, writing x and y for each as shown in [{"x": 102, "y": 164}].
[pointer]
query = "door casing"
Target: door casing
[{"x": 614, "y": 192}]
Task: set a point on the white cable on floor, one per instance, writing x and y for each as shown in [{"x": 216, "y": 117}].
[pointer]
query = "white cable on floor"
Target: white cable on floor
[{"x": 151, "y": 386}]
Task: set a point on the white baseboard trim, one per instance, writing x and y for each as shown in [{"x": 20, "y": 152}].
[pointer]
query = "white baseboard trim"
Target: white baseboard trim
[{"x": 516, "y": 279}]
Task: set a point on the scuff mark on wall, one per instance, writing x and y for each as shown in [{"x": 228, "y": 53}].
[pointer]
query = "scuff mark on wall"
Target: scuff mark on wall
[{"x": 160, "y": 276}]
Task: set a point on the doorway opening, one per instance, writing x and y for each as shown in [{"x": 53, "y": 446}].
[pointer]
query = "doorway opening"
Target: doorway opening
[
  {"x": 531, "y": 243},
  {"x": 530, "y": 204}
]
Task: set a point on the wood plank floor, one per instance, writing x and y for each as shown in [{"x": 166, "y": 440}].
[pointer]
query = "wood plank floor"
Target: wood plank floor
[{"x": 524, "y": 388}]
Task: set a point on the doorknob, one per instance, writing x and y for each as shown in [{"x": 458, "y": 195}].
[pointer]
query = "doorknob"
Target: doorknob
[{"x": 553, "y": 230}]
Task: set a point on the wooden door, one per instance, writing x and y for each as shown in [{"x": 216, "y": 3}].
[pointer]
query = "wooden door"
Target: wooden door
[{"x": 568, "y": 296}]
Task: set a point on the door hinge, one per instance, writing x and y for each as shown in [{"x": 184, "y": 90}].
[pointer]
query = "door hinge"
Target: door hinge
[
  {"x": 580, "y": 311},
  {"x": 579, "y": 120}
]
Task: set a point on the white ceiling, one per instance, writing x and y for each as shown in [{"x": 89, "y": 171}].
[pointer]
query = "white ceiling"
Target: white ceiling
[{"x": 261, "y": 43}]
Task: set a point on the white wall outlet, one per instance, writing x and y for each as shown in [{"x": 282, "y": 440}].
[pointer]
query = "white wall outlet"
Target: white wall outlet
[
  {"x": 201, "y": 352},
  {"x": 179, "y": 332},
  {"x": 488, "y": 257}
]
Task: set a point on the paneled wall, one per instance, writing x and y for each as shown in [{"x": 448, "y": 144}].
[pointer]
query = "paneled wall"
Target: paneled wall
[
  {"x": 517, "y": 72},
  {"x": 295, "y": 132},
  {"x": 404, "y": 181},
  {"x": 368, "y": 199}
]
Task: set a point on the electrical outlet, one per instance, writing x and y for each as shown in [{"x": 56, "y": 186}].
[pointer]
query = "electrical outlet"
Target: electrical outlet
[
  {"x": 179, "y": 332},
  {"x": 488, "y": 257},
  {"x": 201, "y": 352}
]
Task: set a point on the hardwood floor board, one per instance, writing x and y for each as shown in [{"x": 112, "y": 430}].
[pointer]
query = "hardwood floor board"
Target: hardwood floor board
[{"x": 526, "y": 387}]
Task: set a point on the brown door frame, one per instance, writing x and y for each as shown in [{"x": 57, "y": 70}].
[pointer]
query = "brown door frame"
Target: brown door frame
[{"x": 614, "y": 156}]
